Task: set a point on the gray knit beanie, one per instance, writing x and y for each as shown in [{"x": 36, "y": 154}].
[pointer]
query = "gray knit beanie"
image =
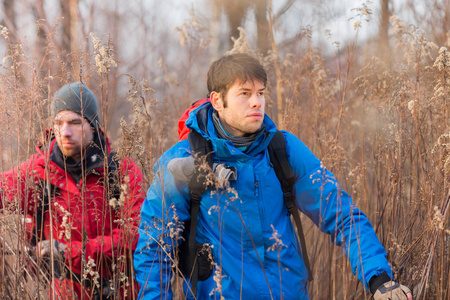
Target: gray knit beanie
[{"x": 77, "y": 97}]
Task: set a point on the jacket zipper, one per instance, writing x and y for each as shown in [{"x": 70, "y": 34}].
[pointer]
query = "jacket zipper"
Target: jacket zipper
[{"x": 259, "y": 200}]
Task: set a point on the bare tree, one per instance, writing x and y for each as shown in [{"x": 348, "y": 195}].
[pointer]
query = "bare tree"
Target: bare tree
[
  {"x": 383, "y": 34},
  {"x": 236, "y": 10},
  {"x": 69, "y": 23},
  {"x": 9, "y": 19},
  {"x": 69, "y": 41},
  {"x": 435, "y": 19},
  {"x": 262, "y": 25}
]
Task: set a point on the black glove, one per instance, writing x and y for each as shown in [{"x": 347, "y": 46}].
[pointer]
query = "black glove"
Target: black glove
[{"x": 107, "y": 292}]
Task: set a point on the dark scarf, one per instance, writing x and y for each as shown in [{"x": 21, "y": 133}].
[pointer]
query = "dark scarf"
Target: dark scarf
[
  {"x": 93, "y": 158},
  {"x": 238, "y": 141}
]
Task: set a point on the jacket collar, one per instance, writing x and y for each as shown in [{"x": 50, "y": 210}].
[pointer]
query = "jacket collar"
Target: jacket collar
[
  {"x": 47, "y": 146},
  {"x": 92, "y": 159},
  {"x": 200, "y": 120}
]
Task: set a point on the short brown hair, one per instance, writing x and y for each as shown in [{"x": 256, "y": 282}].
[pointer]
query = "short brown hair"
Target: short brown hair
[{"x": 229, "y": 68}]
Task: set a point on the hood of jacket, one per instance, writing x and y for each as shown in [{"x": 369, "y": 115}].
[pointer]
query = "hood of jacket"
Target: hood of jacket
[{"x": 201, "y": 121}]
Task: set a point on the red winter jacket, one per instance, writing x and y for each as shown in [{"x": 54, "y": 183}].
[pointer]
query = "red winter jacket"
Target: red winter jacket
[{"x": 80, "y": 208}]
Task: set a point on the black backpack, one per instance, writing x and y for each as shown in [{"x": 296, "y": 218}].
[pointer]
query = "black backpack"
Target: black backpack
[{"x": 193, "y": 260}]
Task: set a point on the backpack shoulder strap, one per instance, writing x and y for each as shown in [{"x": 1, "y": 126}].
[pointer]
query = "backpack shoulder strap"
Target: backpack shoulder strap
[
  {"x": 278, "y": 158},
  {"x": 202, "y": 152},
  {"x": 113, "y": 175},
  {"x": 45, "y": 190},
  {"x": 113, "y": 161}
]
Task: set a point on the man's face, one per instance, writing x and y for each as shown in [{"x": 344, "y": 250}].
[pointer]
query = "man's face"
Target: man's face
[
  {"x": 73, "y": 133},
  {"x": 241, "y": 113}
]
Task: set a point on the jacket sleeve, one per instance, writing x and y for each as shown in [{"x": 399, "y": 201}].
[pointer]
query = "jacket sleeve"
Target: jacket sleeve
[
  {"x": 122, "y": 239},
  {"x": 162, "y": 217},
  {"x": 320, "y": 197},
  {"x": 19, "y": 183}
]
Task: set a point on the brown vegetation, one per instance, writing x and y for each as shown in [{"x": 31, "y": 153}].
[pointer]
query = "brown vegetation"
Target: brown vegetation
[{"x": 380, "y": 123}]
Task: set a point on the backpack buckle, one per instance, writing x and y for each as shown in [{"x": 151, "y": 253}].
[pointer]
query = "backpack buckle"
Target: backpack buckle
[
  {"x": 196, "y": 197},
  {"x": 289, "y": 203}
]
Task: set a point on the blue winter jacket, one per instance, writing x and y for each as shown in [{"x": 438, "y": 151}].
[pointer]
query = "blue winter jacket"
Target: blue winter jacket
[{"x": 240, "y": 223}]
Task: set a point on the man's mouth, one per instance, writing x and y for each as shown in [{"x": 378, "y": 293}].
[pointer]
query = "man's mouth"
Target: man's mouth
[{"x": 255, "y": 115}]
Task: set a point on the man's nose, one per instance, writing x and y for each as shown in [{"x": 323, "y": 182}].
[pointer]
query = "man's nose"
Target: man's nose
[
  {"x": 65, "y": 130},
  {"x": 256, "y": 101}
]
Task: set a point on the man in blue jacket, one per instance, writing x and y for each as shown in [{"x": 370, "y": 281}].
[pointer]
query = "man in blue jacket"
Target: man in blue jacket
[{"x": 245, "y": 222}]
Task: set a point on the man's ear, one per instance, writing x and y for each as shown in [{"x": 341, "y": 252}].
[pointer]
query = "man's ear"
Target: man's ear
[{"x": 216, "y": 101}]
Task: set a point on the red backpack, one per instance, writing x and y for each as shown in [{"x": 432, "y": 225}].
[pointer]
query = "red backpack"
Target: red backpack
[{"x": 183, "y": 131}]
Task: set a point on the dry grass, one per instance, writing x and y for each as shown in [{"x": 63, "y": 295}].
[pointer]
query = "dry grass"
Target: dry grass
[{"x": 380, "y": 124}]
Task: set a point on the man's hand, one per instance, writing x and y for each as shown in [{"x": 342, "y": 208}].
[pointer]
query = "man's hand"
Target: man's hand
[
  {"x": 43, "y": 249},
  {"x": 391, "y": 290}
]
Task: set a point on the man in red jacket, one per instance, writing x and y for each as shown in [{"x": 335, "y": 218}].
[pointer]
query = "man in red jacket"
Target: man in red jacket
[{"x": 84, "y": 202}]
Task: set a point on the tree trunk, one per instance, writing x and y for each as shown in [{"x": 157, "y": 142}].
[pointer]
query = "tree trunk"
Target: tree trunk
[
  {"x": 9, "y": 20},
  {"x": 280, "y": 105},
  {"x": 383, "y": 33},
  {"x": 69, "y": 41},
  {"x": 262, "y": 24},
  {"x": 235, "y": 11},
  {"x": 41, "y": 40}
]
